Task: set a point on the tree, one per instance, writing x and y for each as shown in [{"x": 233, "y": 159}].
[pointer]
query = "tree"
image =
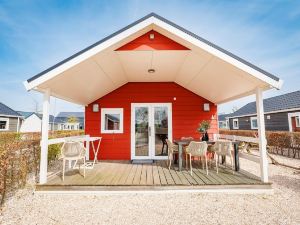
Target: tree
[{"x": 72, "y": 119}]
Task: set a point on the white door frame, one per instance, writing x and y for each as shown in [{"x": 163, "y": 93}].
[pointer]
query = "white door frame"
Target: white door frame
[
  {"x": 151, "y": 124},
  {"x": 290, "y": 115}
]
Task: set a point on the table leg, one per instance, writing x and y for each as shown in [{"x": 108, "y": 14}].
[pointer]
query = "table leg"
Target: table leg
[
  {"x": 179, "y": 157},
  {"x": 236, "y": 157}
]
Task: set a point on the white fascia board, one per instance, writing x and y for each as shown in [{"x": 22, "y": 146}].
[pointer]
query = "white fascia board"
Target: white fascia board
[
  {"x": 218, "y": 53},
  {"x": 89, "y": 53},
  {"x": 61, "y": 97},
  {"x": 10, "y": 116}
]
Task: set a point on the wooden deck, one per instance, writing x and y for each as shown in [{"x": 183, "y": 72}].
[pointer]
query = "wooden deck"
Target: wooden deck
[{"x": 124, "y": 174}]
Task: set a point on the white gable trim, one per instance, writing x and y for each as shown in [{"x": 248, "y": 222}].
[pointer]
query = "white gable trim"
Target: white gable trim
[
  {"x": 139, "y": 26},
  {"x": 218, "y": 53},
  {"x": 89, "y": 53}
]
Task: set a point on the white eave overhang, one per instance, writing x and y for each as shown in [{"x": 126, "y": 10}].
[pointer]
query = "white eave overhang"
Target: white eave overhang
[{"x": 205, "y": 69}]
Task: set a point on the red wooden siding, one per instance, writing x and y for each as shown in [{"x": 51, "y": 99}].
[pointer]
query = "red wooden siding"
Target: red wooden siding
[
  {"x": 187, "y": 112},
  {"x": 160, "y": 42}
]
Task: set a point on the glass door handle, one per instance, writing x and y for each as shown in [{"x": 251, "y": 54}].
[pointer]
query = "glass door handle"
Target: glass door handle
[{"x": 149, "y": 130}]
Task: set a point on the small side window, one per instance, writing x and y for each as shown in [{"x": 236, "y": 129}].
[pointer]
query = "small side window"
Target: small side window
[
  {"x": 254, "y": 124},
  {"x": 112, "y": 120},
  {"x": 235, "y": 124},
  {"x": 4, "y": 123},
  {"x": 297, "y": 121}
]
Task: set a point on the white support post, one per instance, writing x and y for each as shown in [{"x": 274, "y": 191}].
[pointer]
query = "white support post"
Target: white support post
[
  {"x": 44, "y": 140},
  {"x": 262, "y": 136},
  {"x": 87, "y": 147}
]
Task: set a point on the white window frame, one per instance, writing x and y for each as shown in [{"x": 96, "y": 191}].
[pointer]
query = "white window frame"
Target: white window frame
[
  {"x": 112, "y": 111},
  {"x": 297, "y": 118},
  {"x": 227, "y": 123},
  {"x": 7, "y": 123},
  {"x": 235, "y": 127},
  {"x": 251, "y": 119}
]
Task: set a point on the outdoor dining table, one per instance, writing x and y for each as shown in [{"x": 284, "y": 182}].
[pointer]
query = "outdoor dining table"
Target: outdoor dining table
[{"x": 182, "y": 143}]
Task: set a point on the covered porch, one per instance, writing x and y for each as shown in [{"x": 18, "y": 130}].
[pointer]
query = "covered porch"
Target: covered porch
[{"x": 132, "y": 56}]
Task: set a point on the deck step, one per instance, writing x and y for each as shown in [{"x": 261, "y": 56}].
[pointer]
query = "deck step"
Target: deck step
[{"x": 142, "y": 161}]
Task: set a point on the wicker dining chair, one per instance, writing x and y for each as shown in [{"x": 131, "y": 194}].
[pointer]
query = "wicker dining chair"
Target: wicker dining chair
[
  {"x": 72, "y": 151},
  {"x": 223, "y": 148},
  {"x": 172, "y": 149},
  {"x": 197, "y": 149}
]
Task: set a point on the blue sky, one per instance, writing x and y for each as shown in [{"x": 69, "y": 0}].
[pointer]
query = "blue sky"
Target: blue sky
[{"x": 35, "y": 35}]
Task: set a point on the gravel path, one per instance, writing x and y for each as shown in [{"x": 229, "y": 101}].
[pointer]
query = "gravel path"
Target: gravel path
[{"x": 283, "y": 207}]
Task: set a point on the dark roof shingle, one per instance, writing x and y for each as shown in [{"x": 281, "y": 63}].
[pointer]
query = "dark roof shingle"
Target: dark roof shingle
[
  {"x": 277, "y": 103},
  {"x": 5, "y": 110}
]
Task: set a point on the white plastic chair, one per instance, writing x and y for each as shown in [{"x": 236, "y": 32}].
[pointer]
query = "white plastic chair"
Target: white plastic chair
[
  {"x": 172, "y": 148},
  {"x": 197, "y": 149},
  {"x": 72, "y": 150},
  {"x": 223, "y": 148}
]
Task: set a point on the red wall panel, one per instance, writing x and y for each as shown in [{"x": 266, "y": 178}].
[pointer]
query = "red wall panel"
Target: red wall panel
[
  {"x": 160, "y": 42},
  {"x": 187, "y": 112}
]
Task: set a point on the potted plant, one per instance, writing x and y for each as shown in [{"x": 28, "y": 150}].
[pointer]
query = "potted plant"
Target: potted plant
[{"x": 203, "y": 127}]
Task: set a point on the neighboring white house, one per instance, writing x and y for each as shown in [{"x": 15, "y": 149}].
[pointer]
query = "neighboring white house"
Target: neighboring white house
[{"x": 33, "y": 122}]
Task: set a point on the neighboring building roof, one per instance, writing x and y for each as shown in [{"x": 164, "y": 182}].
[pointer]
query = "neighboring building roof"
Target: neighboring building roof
[
  {"x": 69, "y": 114},
  {"x": 7, "y": 111},
  {"x": 223, "y": 117},
  {"x": 28, "y": 114},
  {"x": 171, "y": 24},
  {"x": 62, "y": 117},
  {"x": 287, "y": 101}
]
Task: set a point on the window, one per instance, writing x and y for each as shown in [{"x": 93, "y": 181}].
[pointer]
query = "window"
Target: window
[
  {"x": 4, "y": 123},
  {"x": 297, "y": 118},
  {"x": 112, "y": 120},
  {"x": 254, "y": 124},
  {"x": 235, "y": 124}
]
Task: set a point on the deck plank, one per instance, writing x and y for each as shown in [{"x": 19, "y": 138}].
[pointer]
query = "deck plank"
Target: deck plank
[
  {"x": 183, "y": 178},
  {"x": 191, "y": 179},
  {"x": 156, "y": 179},
  {"x": 129, "y": 180},
  {"x": 175, "y": 177},
  {"x": 120, "y": 172},
  {"x": 143, "y": 180},
  {"x": 149, "y": 179},
  {"x": 163, "y": 180},
  {"x": 202, "y": 176},
  {"x": 125, "y": 174},
  {"x": 137, "y": 176},
  {"x": 167, "y": 174}
]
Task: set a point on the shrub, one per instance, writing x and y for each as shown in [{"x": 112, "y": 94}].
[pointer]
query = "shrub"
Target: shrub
[
  {"x": 279, "y": 142},
  {"x": 20, "y": 155}
]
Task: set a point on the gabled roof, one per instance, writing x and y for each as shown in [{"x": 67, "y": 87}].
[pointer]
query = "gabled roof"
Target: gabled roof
[
  {"x": 223, "y": 117},
  {"x": 168, "y": 22},
  {"x": 99, "y": 69},
  {"x": 39, "y": 115},
  {"x": 284, "y": 102},
  {"x": 70, "y": 114},
  {"x": 63, "y": 117},
  {"x": 7, "y": 111}
]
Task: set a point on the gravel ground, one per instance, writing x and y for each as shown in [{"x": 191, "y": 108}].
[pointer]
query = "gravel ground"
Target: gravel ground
[{"x": 283, "y": 207}]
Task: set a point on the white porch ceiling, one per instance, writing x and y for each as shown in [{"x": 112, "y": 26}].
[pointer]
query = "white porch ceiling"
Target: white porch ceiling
[{"x": 197, "y": 70}]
